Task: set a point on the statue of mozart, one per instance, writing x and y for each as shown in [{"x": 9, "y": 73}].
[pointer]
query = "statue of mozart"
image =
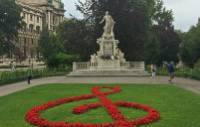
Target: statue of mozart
[{"x": 109, "y": 25}]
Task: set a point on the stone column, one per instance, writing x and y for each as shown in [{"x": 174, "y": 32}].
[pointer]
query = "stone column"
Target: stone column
[
  {"x": 41, "y": 26},
  {"x": 49, "y": 21},
  {"x": 28, "y": 18}
]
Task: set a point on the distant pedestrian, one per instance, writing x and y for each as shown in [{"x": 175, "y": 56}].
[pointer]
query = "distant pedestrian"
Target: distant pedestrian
[
  {"x": 12, "y": 66},
  {"x": 171, "y": 71},
  {"x": 153, "y": 71},
  {"x": 29, "y": 75}
]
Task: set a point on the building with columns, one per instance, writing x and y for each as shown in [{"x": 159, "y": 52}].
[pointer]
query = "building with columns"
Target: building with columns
[{"x": 36, "y": 14}]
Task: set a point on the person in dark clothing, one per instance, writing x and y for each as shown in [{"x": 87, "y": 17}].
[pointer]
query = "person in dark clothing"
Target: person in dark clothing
[
  {"x": 171, "y": 71},
  {"x": 29, "y": 76}
]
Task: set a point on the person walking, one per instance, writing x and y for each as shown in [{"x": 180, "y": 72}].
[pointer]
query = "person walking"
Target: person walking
[
  {"x": 29, "y": 75},
  {"x": 12, "y": 66},
  {"x": 153, "y": 71},
  {"x": 171, "y": 71}
]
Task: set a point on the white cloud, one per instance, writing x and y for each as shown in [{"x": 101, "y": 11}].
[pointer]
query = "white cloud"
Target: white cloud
[
  {"x": 71, "y": 9},
  {"x": 186, "y": 12}
]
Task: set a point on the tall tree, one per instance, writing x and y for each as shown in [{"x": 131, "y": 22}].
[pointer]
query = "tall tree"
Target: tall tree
[
  {"x": 132, "y": 22},
  {"x": 152, "y": 49},
  {"x": 49, "y": 45},
  {"x": 77, "y": 38},
  {"x": 138, "y": 24},
  {"x": 169, "y": 40},
  {"x": 51, "y": 48},
  {"x": 190, "y": 50},
  {"x": 10, "y": 21}
]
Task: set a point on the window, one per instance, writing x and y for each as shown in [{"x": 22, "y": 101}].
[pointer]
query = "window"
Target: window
[
  {"x": 31, "y": 27},
  {"x": 24, "y": 41},
  {"x": 24, "y": 47},
  {"x": 24, "y": 15},
  {"x": 24, "y": 26},
  {"x": 38, "y": 29},
  {"x": 38, "y": 19},
  {"x": 32, "y": 41},
  {"x": 31, "y": 17},
  {"x": 32, "y": 54}
]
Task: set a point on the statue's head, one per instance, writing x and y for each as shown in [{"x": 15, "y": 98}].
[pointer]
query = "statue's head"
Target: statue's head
[{"x": 107, "y": 13}]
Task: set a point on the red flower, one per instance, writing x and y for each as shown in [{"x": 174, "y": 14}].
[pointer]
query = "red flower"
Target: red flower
[{"x": 33, "y": 116}]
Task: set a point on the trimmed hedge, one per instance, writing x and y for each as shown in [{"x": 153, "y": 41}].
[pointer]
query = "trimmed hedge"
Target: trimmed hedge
[
  {"x": 12, "y": 77},
  {"x": 8, "y": 66},
  {"x": 184, "y": 72}
]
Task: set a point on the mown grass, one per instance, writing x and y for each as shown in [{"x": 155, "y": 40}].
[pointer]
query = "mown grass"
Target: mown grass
[{"x": 178, "y": 108}]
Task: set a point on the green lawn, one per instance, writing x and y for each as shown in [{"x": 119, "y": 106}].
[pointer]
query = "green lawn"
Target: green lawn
[{"x": 178, "y": 108}]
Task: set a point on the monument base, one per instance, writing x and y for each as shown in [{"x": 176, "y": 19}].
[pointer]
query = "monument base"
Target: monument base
[
  {"x": 128, "y": 69},
  {"x": 122, "y": 73}
]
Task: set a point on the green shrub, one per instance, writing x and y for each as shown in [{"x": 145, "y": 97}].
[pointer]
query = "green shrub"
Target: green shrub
[
  {"x": 11, "y": 77},
  {"x": 197, "y": 65},
  {"x": 61, "y": 60},
  {"x": 184, "y": 72}
]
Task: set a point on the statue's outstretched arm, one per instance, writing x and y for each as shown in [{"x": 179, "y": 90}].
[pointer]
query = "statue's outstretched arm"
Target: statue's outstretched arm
[{"x": 102, "y": 20}]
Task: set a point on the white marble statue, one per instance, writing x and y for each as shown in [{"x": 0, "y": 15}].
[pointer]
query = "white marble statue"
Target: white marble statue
[
  {"x": 93, "y": 59},
  {"x": 109, "y": 25}
]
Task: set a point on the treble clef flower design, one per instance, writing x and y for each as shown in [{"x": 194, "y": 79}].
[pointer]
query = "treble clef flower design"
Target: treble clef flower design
[{"x": 119, "y": 120}]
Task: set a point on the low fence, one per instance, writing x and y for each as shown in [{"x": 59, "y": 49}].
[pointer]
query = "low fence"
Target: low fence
[{"x": 81, "y": 66}]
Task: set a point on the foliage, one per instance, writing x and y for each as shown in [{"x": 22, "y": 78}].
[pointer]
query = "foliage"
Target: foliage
[
  {"x": 152, "y": 50},
  {"x": 76, "y": 36},
  {"x": 62, "y": 60},
  {"x": 169, "y": 40},
  {"x": 21, "y": 75},
  {"x": 183, "y": 72},
  {"x": 170, "y": 101},
  {"x": 2, "y": 44},
  {"x": 190, "y": 50},
  {"x": 10, "y": 22},
  {"x": 49, "y": 44},
  {"x": 132, "y": 22},
  {"x": 52, "y": 49},
  {"x": 138, "y": 24},
  {"x": 8, "y": 66},
  {"x": 197, "y": 65}
]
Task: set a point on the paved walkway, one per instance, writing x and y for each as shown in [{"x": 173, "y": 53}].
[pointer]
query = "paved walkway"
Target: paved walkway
[{"x": 188, "y": 84}]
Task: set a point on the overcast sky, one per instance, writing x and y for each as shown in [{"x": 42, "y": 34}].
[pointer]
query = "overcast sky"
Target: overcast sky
[{"x": 186, "y": 12}]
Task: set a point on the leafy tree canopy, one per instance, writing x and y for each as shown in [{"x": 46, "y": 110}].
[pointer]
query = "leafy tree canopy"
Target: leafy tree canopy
[
  {"x": 10, "y": 21},
  {"x": 190, "y": 50},
  {"x": 132, "y": 22},
  {"x": 77, "y": 38},
  {"x": 136, "y": 22}
]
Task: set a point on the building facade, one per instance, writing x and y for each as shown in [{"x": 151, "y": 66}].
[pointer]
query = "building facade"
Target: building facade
[{"x": 36, "y": 15}]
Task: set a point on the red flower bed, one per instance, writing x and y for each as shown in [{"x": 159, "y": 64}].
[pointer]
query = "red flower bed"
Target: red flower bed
[{"x": 33, "y": 116}]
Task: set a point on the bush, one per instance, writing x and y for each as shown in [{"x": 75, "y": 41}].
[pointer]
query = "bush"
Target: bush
[
  {"x": 184, "y": 72},
  {"x": 8, "y": 66},
  {"x": 61, "y": 60},
  {"x": 11, "y": 77},
  {"x": 197, "y": 65}
]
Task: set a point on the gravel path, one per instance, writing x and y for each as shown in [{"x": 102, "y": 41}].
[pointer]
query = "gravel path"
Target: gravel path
[{"x": 188, "y": 84}]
